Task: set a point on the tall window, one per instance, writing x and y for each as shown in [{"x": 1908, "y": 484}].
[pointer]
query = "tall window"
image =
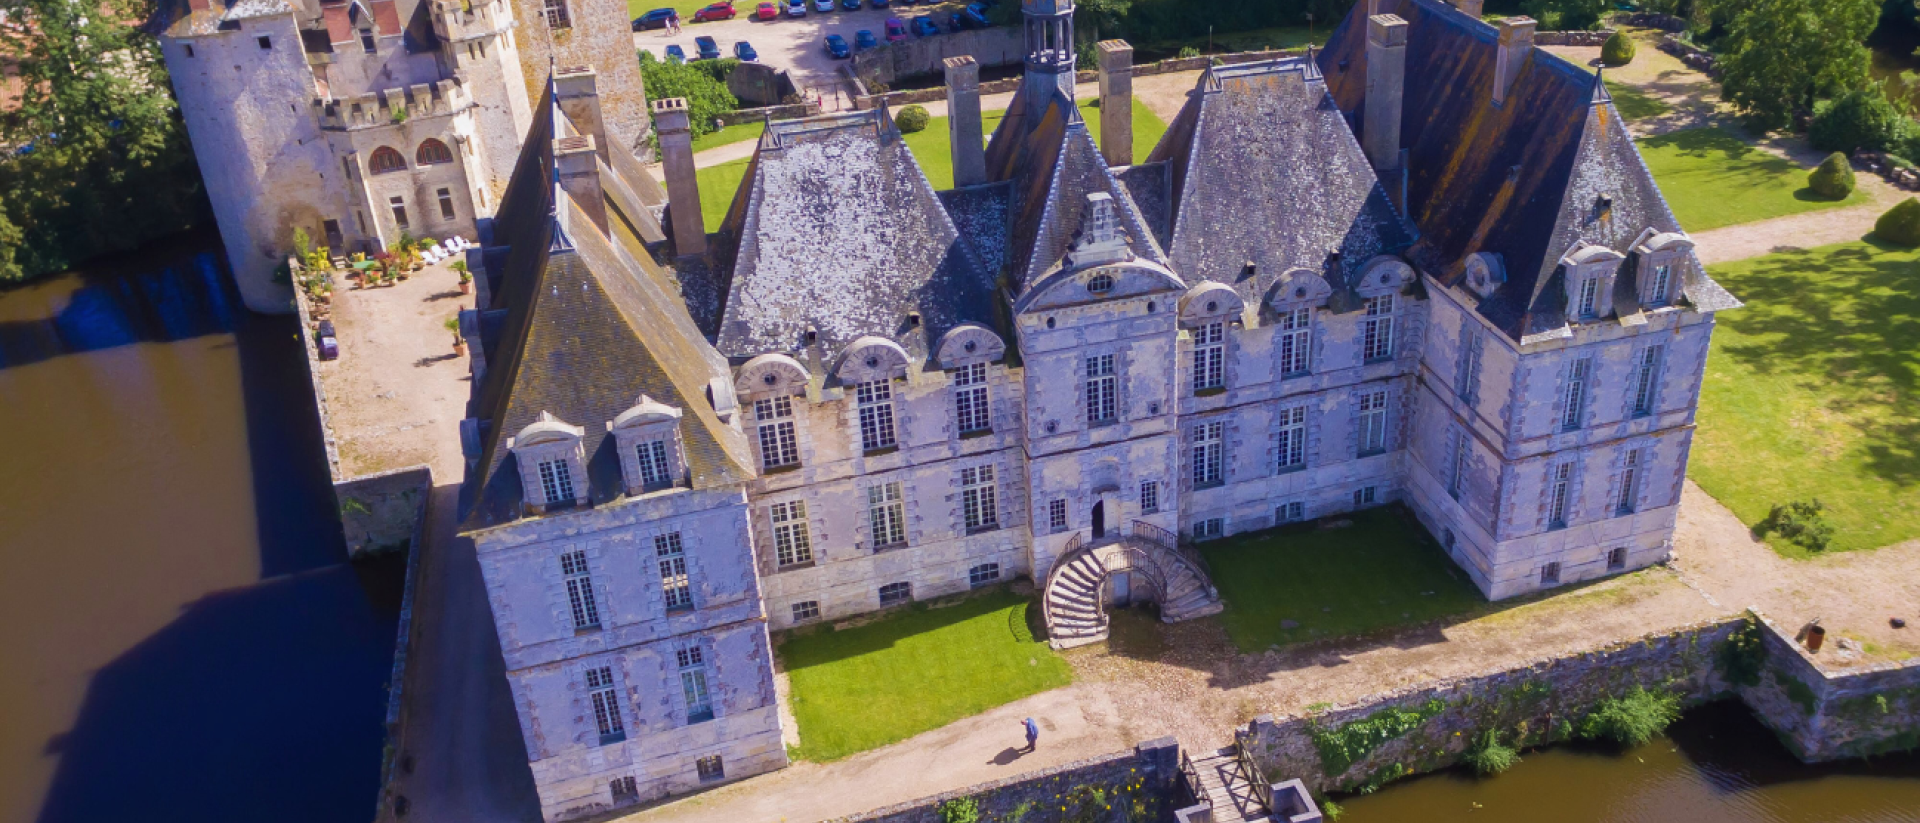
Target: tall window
[
  {"x": 385, "y": 159},
  {"x": 1629, "y": 481},
  {"x": 1589, "y": 297},
  {"x": 399, "y": 206},
  {"x": 1209, "y": 357},
  {"x": 1557, "y": 496},
  {"x": 977, "y": 498},
  {"x": 970, "y": 410},
  {"x": 432, "y": 152},
  {"x": 1377, "y": 328},
  {"x": 1293, "y": 438},
  {"x": 367, "y": 42},
  {"x": 556, "y": 481},
  {"x": 556, "y": 13},
  {"x": 1646, "y": 380},
  {"x": 1576, "y": 395},
  {"x": 774, "y": 418},
  {"x": 1373, "y": 422},
  {"x": 1149, "y": 496},
  {"x": 876, "y": 414},
  {"x": 1457, "y": 477},
  {"x": 1296, "y": 338},
  {"x": 693, "y": 683},
  {"x": 1056, "y": 516},
  {"x": 652, "y": 455},
  {"x": 606, "y": 705},
  {"x": 446, "y": 203},
  {"x": 673, "y": 571},
  {"x": 791, "y": 543},
  {"x": 1207, "y": 448},
  {"x": 1103, "y": 405},
  {"x": 1659, "y": 294},
  {"x": 586, "y": 612},
  {"x": 1468, "y": 378},
  {"x": 887, "y": 515}
]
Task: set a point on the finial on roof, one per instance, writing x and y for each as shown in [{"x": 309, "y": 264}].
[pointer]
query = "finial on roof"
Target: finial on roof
[
  {"x": 1312, "y": 68},
  {"x": 1600, "y": 94}
]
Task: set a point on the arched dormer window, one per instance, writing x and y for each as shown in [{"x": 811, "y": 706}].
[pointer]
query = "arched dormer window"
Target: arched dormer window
[
  {"x": 651, "y": 457},
  {"x": 555, "y": 12},
  {"x": 1590, "y": 272},
  {"x": 1100, "y": 284},
  {"x": 552, "y": 464},
  {"x": 385, "y": 160},
  {"x": 1661, "y": 257},
  {"x": 432, "y": 152}
]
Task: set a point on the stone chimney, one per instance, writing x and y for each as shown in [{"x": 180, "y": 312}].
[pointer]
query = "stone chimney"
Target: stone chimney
[
  {"x": 1386, "y": 85},
  {"x": 683, "y": 188},
  {"x": 1516, "y": 41},
  {"x": 963, "y": 122},
  {"x": 576, "y": 89},
  {"x": 1471, "y": 8},
  {"x": 576, "y": 161},
  {"x": 1116, "y": 102}
]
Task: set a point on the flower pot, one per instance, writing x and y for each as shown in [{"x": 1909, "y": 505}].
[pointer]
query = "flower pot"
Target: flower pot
[
  {"x": 466, "y": 287},
  {"x": 459, "y": 348},
  {"x": 1816, "y": 637}
]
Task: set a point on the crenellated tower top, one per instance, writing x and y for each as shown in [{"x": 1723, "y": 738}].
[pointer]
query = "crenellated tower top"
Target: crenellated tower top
[{"x": 1050, "y": 59}]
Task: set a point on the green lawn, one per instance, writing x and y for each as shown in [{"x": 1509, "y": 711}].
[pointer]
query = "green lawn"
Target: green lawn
[
  {"x": 1635, "y": 104},
  {"x": 1713, "y": 178},
  {"x": 729, "y": 135},
  {"x": 913, "y": 670},
  {"x": 1382, "y": 571},
  {"x": 930, "y": 146},
  {"x": 635, "y": 8},
  {"x": 1813, "y": 390}
]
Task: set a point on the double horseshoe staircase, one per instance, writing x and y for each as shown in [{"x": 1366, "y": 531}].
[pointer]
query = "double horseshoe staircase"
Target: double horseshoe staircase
[{"x": 1174, "y": 576}]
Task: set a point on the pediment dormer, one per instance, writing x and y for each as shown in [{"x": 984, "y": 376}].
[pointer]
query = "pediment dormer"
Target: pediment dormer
[
  {"x": 552, "y": 463},
  {"x": 651, "y": 455},
  {"x": 1661, "y": 259},
  {"x": 1299, "y": 288},
  {"x": 1589, "y": 274},
  {"x": 1210, "y": 302},
  {"x": 967, "y": 344},
  {"x": 770, "y": 375},
  {"x": 871, "y": 358}
]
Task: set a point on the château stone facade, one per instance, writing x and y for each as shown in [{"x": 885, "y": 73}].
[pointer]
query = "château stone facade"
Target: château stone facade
[{"x": 1424, "y": 266}]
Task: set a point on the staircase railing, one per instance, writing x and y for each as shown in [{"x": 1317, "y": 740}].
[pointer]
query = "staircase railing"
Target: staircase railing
[
  {"x": 1191, "y": 774},
  {"x": 1185, "y": 551},
  {"x": 1073, "y": 547}
]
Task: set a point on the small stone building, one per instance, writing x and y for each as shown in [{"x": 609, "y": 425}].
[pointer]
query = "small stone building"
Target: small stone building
[{"x": 1424, "y": 266}]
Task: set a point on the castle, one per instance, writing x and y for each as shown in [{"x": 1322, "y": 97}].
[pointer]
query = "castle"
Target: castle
[
  {"x": 1425, "y": 265},
  {"x": 359, "y": 121}
]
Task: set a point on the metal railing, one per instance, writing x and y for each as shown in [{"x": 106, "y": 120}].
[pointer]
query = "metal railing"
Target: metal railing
[
  {"x": 1185, "y": 551},
  {"x": 1262, "y": 790}
]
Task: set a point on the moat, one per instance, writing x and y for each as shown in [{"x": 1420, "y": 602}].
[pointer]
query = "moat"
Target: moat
[{"x": 190, "y": 644}]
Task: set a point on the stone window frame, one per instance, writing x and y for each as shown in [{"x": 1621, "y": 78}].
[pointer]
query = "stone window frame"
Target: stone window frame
[
  {"x": 1295, "y": 290},
  {"x": 692, "y": 661},
  {"x": 982, "y": 495},
  {"x": 777, "y": 422},
  {"x": 556, "y": 15},
  {"x": 795, "y": 518},
  {"x": 972, "y": 399},
  {"x": 582, "y": 605},
  {"x": 648, "y": 422},
  {"x": 1575, "y": 395},
  {"x": 1585, "y": 266},
  {"x": 432, "y": 152},
  {"x": 869, "y": 362},
  {"x": 671, "y": 556},
  {"x": 550, "y": 439},
  {"x": 1643, "y": 394},
  {"x": 770, "y": 377},
  {"x": 875, "y": 407},
  {"x": 1057, "y": 515},
  {"x": 1459, "y": 459},
  {"x": 1654, "y": 251},
  {"x": 1468, "y": 361},
  {"x": 897, "y": 593},
  {"x": 804, "y": 611},
  {"x": 1377, "y": 402},
  {"x": 1561, "y": 491},
  {"x": 877, "y": 498},
  {"x": 604, "y": 709},
  {"x": 1208, "y": 528},
  {"x": 1207, "y": 453},
  {"x": 983, "y": 574},
  {"x": 1149, "y": 497},
  {"x": 1282, "y": 422},
  {"x": 1291, "y": 511},
  {"x": 624, "y": 790},
  {"x": 1208, "y": 313},
  {"x": 1111, "y": 366},
  {"x": 386, "y": 160},
  {"x": 710, "y": 768}
]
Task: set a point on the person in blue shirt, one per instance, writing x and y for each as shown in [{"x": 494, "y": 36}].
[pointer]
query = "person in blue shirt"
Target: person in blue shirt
[{"x": 1033, "y": 734}]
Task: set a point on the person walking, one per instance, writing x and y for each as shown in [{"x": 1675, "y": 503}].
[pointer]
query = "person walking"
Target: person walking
[{"x": 1033, "y": 734}]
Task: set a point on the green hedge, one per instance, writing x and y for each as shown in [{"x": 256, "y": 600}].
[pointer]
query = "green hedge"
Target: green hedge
[
  {"x": 1900, "y": 225},
  {"x": 1618, "y": 51},
  {"x": 1833, "y": 178}
]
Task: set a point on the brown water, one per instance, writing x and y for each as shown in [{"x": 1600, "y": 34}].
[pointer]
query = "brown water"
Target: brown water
[
  {"x": 1717, "y": 765},
  {"x": 181, "y": 635}
]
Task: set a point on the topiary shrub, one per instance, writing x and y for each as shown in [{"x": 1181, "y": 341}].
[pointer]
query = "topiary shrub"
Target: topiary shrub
[
  {"x": 1863, "y": 119},
  {"x": 912, "y": 119},
  {"x": 1488, "y": 756},
  {"x": 1833, "y": 178},
  {"x": 1631, "y": 720},
  {"x": 1802, "y": 521},
  {"x": 1618, "y": 50},
  {"x": 1901, "y": 224}
]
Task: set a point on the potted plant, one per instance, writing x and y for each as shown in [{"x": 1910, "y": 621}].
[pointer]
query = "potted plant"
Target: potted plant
[
  {"x": 466, "y": 277},
  {"x": 459, "y": 343}
]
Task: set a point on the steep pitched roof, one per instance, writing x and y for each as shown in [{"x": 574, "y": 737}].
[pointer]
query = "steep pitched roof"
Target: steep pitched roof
[
  {"x": 1506, "y": 179},
  {"x": 1268, "y": 174},
  {"x": 837, "y": 230}
]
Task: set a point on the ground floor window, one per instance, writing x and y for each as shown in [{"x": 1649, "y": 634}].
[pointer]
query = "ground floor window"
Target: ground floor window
[
  {"x": 711, "y": 768},
  {"x": 895, "y": 593},
  {"x": 983, "y": 574},
  {"x": 806, "y": 610},
  {"x": 1363, "y": 496},
  {"x": 624, "y": 790},
  {"x": 1292, "y": 512},
  {"x": 1617, "y": 559},
  {"x": 1209, "y": 528},
  {"x": 1550, "y": 573},
  {"x": 399, "y": 210}
]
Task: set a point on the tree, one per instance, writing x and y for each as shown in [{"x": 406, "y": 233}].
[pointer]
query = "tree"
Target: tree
[
  {"x": 706, "y": 94},
  {"x": 1860, "y": 119},
  {"x": 96, "y": 157},
  {"x": 1618, "y": 50},
  {"x": 1780, "y": 55},
  {"x": 1833, "y": 178}
]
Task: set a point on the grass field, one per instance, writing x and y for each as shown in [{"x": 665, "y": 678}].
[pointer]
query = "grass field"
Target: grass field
[
  {"x": 912, "y": 671},
  {"x": 1635, "y": 104},
  {"x": 1301, "y": 583},
  {"x": 729, "y": 135},
  {"x": 1713, "y": 178},
  {"x": 1813, "y": 390},
  {"x": 931, "y": 147}
]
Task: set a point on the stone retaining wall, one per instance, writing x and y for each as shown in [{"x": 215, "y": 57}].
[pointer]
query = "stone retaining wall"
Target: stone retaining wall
[
  {"x": 1572, "y": 38},
  {"x": 863, "y": 101},
  {"x": 1907, "y": 178},
  {"x": 1825, "y": 714},
  {"x": 1105, "y": 785},
  {"x": 997, "y": 46},
  {"x": 394, "y": 755},
  {"x": 1650, "y": 20},
  {"x": 1696, "y": 58}
]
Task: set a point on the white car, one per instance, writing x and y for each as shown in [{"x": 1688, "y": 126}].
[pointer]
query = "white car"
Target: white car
[
  {"x": 796, "y": 8},
  {"x": 823, "y": 5}
]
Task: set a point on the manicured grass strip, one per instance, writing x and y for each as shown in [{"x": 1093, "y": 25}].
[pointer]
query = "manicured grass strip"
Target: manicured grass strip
[
  {"x": 1380, "y": 572},
  {"x": 1713, "y": 178},
  {"x": 729, "y": 135},
  {"x": 1635, "y": 104},
  {"x": 1813, "y": 390},
  {"x": 718, "y": 184},
  {"x": 912, "y": 671}
]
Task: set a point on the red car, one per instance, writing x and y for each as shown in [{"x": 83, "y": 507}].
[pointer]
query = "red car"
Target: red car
[
  {"x": 766, "y": 11},
  {"x": 717, "y": 11}
]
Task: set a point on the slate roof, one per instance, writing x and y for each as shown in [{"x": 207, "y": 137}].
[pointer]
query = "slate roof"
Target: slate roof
[
  {"x": 592, "y": 323},
  {"x": 981, "y": 214},
  {"x": 837, "y": 230},
  {"x": 1266, "y": 172},
  {"x": 1517, "y": 179}
]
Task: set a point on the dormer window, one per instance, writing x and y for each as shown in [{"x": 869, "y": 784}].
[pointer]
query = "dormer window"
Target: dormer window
[
  {"x": 367, "y": 42},
  {"x": 556, "y": 480},
  {"x": 652, "y": 456},
  {"x": 1589, "y": 297},
  {"x": 552, "y": 466},
  {"x": 1658, "y": 291},
  {"x": 1589, "y": 272},
  {"x": 1100, "y": 284},
  {"x": 649, "y": 439},
  {"x": 1661, "y": 255}
]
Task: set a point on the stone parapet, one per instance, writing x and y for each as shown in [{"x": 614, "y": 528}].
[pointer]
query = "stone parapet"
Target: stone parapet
[
  {"x": 458, "y": 21},
  {"x": 1151, "y": 771},
  {"x": 390, "y": 107}
]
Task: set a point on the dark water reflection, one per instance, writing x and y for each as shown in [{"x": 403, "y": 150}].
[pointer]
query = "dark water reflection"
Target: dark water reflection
[
  {"x": 1717, "y": 765},
  {"x": 184, "y": 639}
]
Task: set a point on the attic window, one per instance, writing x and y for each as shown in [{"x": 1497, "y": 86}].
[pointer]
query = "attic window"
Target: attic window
[
  {"x": 366, "y": 41},
  {"x": 189, "y": 51},
  {"x": 913, "y": 320},
  {"x": 810, "y": 337},
  {"x": 769, "y": 379},
  {"x": 1100, "y": 284},
  {"x": 1603, "y": 207},
  {"x": 266, "y": 43}
]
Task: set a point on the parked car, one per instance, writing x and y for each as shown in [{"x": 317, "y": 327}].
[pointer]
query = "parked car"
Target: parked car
[
  {"x": 796, "y": 8},
  {"x": 837, "y": 46},
  {"x": 709, "y": 49},
  {"x": 975, "y": 17},
  {"x": 863, "y": 40},
  {"x": 744, "y": 51},
  {"x": 823, "y": 5},
  {"x": 955, "y": 23},
  {"x": 326, "y": 342},
  {"x": 656, "y": 19},
  {"x": 896, "y": 30},
  {"x": 715, "y": 11},
  {"x": 923, "y": 26},
  {"x": 675, "y": 54},
  {"x": 767, "y": 10},
  {"x": 879, "y": 4}
]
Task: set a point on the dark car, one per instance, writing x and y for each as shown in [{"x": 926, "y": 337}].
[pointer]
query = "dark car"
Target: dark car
[
  {"x": 923, "y": 26},
  {"x": 708, "y": 48},
  {"x": 837, "y": 46},
  {"x": 956, "y": 23},
  {"x": 675, "y": 54},
  {"x": 863, "y": 40},
  {"x": 744, "y": 51},
  {"x": 325, "y": 341},
  {"x": 850, "y": 5},
  {"x": 975, "y": 17},
  {"x": 716, "y": 11},
  {"x": 878, "y": 4},
  {"x": 656, "y": 19}
]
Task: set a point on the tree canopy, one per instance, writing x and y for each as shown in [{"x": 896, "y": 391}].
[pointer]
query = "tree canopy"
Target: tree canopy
[
  {"x": 1780, "y": 55},
  {"x": 93, "y": 156},
  {"x": 702, "y": 83}
]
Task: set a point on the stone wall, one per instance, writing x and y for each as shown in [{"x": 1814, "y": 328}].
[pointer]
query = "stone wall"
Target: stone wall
[
  {"x": 998, "y": 46},
  {"x": 786, "y": 112},
  {"x": 1150, "y": 773},
  {"x": 395, "y": 755},
  {"x": 1531, "y": 705},
  {"x": 1572, "y": 38},
  {"x": 863, "y": 101},
  {"x": 1696, "y": 58},
  {"x": 1829, "y": 715},
  {"x": 378, "y": 512},
  {"x": 1651, "y": 20}
]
